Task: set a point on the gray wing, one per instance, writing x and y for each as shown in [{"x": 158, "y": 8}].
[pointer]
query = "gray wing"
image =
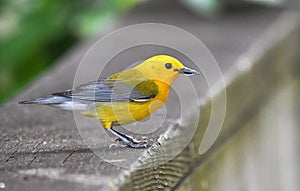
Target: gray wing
[{"x": 107, "y": 90}]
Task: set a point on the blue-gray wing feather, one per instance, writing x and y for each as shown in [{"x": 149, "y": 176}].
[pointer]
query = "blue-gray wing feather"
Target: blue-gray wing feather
[{"x": 107, "y": 90}]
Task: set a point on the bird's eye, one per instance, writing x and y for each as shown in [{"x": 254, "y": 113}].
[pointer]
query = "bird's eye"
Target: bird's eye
[{"x": 168, "y": 65}]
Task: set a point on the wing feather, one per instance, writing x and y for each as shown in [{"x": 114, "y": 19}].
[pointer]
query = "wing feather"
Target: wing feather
[{"x": 114, "y": 90}]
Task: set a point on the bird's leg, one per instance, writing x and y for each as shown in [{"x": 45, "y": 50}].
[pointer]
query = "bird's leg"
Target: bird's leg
[{"x": 128, "y": 140}]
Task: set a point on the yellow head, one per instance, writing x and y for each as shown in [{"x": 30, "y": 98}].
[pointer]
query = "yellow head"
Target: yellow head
[{"x": 164, "y": 68}]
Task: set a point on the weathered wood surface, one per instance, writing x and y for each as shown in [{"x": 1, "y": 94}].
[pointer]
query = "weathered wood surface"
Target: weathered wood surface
[{"x": 41, "y": 148}]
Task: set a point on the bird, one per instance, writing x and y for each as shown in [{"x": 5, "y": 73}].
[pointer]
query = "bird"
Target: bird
[{"x": 122, "y": 98}]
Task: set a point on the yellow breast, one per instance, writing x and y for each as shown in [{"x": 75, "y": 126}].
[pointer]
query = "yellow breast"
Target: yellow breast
[{"x": 129, "y": 112}]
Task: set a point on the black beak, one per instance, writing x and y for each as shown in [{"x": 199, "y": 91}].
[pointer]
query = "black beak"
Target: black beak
[{"x": 187, "y": 71}]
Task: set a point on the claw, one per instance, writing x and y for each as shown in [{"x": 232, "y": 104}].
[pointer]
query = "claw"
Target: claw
[
  {"x": 129, "y": 141},
  {"x": 143, "y": 143}
]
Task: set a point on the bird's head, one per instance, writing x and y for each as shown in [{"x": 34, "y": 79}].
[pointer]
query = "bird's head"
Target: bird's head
[{"x": 164, "y": 68}]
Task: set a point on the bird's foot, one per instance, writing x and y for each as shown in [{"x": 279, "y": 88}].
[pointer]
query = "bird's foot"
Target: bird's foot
[
  {"x": 130, "y": 141},
  {"x": 134, "y": 143},
  {"x": 141, "y": 143}
]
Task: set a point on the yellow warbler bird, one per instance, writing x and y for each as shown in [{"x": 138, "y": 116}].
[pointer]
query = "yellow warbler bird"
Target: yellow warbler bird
[{"x": 123, "y": 98}]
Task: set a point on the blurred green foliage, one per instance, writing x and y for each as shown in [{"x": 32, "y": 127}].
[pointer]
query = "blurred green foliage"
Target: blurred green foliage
[{"x": 34, "y": 33}]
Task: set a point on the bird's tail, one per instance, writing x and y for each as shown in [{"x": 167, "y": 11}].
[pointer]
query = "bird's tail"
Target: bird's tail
[
  {"x": 45, "y": 101},
  {"x": 58, "y": 101}
]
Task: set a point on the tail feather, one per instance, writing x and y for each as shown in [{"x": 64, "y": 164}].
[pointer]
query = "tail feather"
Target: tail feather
[
  {"x": 65, "y": 103},
  {"x": 46, "y": 101}
]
